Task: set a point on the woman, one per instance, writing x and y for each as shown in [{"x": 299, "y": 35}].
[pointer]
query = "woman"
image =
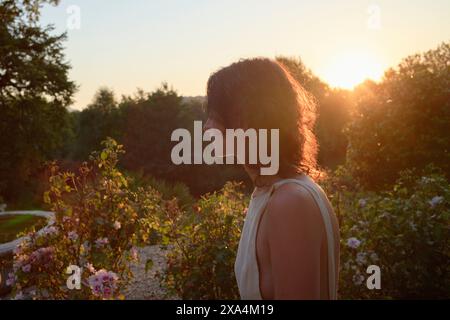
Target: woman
[{"x": 289, "y": 247}]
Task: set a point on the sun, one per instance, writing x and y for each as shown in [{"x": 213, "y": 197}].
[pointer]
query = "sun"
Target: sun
[{"x": 350, "y": 69}]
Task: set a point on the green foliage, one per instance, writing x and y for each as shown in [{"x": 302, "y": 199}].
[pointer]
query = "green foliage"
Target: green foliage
[
  {"x": 204, "y": 245},
  {"x": 149, "y": 123},
  {"x": 32, "y": 61},
  {"x": 168, "y": 190},
  {"x": 405, "y": 231},
  {"x": 101, "y": 215},
  {"x": 402, "y": 122},
  {"x": 97, "y": 224},
  {"x": 102, "y": 118},
  {"x": 34, "y": 91},
  {"x": 12, "y": 226}
]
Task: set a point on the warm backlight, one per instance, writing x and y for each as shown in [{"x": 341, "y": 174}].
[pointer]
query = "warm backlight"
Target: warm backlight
[{"x": 348, "y": 70}]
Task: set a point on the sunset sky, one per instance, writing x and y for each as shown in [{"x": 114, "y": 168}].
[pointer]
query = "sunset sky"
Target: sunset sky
[{"x": 139, "y": 43}]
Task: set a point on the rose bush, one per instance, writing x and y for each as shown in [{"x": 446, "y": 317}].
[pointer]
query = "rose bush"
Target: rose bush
[
  {"x": 204, "y": 243},
  {"x": 405, "y": 231},
  {"x": 98, "y": 223}
]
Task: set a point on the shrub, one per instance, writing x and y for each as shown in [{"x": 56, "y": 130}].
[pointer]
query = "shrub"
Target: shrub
[
  {"x": 99, "y": 219},
  {"x": 405, "y": 231},
  {"x": 97, "y": 224},
  {"x": 167, "y": 189},
  {"x": 204, "y": 242}
]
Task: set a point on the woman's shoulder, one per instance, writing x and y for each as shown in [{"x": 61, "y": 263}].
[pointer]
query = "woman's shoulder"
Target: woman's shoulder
[{"x": 292, "y": 203}]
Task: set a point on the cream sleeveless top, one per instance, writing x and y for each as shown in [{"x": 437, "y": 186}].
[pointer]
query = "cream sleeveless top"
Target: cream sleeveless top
[{"x": 246, "y": 265}]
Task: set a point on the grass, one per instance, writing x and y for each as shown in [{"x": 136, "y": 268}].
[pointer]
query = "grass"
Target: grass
[{"x": 12, "y": 225}]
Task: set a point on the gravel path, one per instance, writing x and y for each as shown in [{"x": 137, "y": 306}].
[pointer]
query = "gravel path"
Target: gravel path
[{"x": 145, "y": 285}]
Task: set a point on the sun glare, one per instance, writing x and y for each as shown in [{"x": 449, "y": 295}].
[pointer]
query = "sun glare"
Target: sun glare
[{"x": 349, "y": 70}]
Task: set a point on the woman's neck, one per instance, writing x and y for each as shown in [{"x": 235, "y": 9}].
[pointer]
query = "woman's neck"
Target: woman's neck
[
  {"x": 264, "y": 181},
  {"x": 260, "y": 180}
]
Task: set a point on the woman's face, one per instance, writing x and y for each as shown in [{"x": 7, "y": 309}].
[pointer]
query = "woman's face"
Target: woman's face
[{"x": 212, "y": 123}]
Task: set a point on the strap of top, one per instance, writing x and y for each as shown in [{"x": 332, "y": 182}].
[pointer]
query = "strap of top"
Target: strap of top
[{"x": 328, "y": 228}]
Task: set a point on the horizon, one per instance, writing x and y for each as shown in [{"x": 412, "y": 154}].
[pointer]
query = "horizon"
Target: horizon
[{"x": 126, "y": 46}]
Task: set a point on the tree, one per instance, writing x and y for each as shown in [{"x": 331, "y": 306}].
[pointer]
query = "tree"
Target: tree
[
  {"x": 34, "y": 93},
  {"x": 403, "y": 122},
  {"x": 148, "y": 126},
  {"x": 149, "y": 120},
  {"x": 101, "y": 119}
]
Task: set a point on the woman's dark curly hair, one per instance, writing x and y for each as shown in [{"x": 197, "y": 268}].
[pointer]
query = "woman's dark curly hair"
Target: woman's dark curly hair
[{"x": 261, "y": 93}]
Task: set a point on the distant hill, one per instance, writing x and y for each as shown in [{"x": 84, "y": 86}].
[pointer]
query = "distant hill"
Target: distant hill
[{"x": 196, "y": 99}]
